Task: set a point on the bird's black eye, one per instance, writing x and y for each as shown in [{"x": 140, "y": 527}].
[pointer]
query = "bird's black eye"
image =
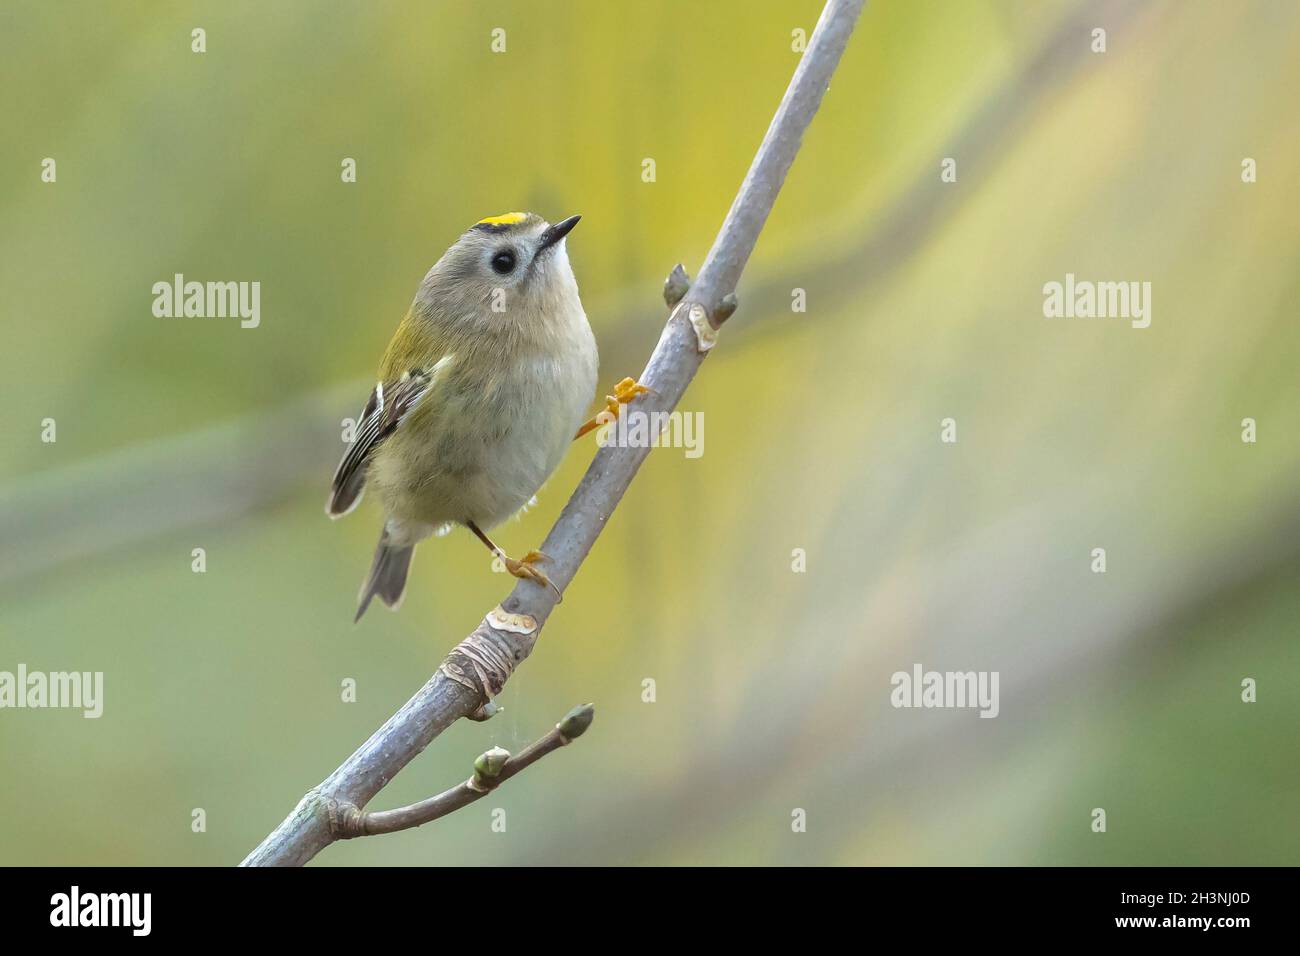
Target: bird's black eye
[{"x": 503, "y": 263}]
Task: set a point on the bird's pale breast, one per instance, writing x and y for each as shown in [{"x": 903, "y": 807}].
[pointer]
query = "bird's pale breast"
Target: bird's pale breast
[{"x": 482, "y": 445}]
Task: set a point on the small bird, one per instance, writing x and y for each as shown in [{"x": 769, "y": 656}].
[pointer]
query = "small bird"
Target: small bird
[{"x": 480, "y": 392}]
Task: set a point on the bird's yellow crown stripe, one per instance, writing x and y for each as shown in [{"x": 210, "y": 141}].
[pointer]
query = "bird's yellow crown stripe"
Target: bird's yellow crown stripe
[{"x": 505, "y": 219}]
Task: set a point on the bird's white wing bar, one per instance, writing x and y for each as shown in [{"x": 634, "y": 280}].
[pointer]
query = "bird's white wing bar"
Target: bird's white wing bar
[{"x": 386, "y": 409}]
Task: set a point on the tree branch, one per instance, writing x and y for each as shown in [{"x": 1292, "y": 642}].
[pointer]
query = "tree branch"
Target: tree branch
[
  {"x": 491, "y": 769},
  {"x": 477, "y": 668}
]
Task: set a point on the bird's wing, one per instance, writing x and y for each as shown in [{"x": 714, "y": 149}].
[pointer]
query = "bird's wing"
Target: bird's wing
[{"x": 387, "y": 408}]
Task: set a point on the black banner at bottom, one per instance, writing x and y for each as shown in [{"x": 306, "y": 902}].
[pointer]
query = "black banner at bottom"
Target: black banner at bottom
[{"x": 331, "y": 905}]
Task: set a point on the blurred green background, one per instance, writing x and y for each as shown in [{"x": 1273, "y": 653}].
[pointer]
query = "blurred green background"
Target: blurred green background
[{"x": 924, "y": 302}]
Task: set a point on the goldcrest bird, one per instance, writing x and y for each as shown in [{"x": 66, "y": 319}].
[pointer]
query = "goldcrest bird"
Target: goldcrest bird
[{"x": 480, "y": 392}]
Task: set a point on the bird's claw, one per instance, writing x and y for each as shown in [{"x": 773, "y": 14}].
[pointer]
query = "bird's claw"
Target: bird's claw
[
  {"x": 526, "y": 568},
  {"x": 624, "y": 392}
]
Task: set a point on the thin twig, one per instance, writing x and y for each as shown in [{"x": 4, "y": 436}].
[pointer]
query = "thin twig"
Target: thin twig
[
  {"x": 476, "y": 670},
  {"x": 491, "y": 769}
]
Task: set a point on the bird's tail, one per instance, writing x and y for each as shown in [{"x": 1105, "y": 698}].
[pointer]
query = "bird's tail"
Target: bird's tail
[{"x": 387, "y": 578}]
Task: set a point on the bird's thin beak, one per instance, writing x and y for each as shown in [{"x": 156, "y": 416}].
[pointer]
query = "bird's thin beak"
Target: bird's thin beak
[{"x": 555, "y": 233}]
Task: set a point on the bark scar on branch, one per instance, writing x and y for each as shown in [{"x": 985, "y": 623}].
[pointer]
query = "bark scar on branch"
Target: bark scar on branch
[{"x": 485, "y": 659}]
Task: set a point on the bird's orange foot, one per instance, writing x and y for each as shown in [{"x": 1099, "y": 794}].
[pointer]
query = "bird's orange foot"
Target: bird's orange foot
[
  {"x": 526, "y": 567},
  {"x": 624, "y": 392}
]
